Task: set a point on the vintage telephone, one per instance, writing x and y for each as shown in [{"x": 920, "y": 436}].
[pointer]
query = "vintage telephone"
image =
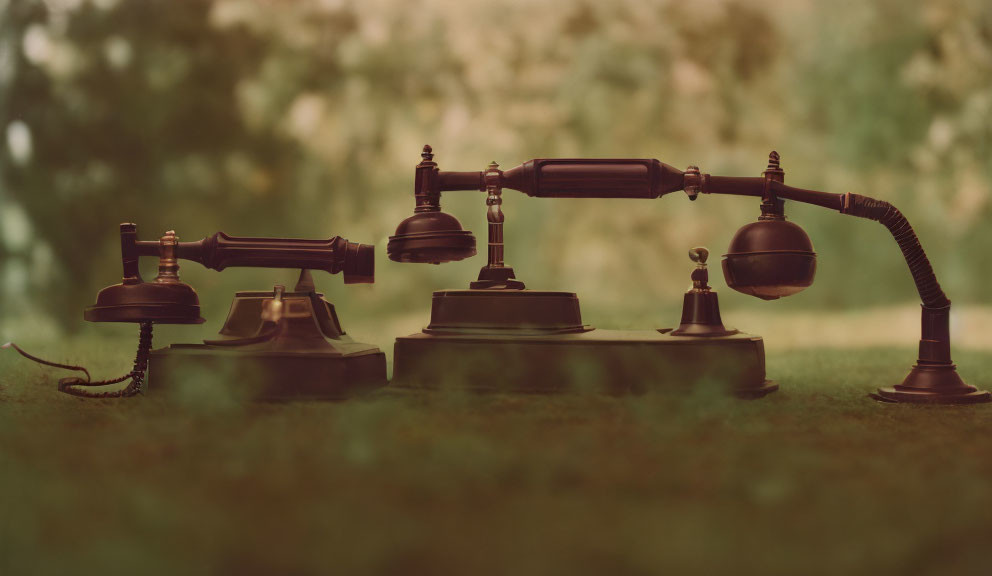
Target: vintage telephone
[
  {"x": 274, "y": 345},
  {"x": 499, "y": 335}
]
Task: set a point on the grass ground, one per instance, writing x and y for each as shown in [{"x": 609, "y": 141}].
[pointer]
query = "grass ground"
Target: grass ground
[{"x": 815, "y": 479}]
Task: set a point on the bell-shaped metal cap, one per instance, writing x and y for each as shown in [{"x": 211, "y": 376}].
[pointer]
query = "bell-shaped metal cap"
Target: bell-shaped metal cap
[
  {"x": 431, "y": 238},
  {"x": 161, "y": 303}
]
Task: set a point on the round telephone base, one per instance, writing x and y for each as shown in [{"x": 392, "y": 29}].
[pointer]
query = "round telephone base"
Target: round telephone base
[{"x": 505, "y": 312}]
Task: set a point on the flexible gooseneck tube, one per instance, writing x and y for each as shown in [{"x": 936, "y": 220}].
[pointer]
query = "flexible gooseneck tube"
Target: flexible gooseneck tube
[{"x": 890, "y": 217}]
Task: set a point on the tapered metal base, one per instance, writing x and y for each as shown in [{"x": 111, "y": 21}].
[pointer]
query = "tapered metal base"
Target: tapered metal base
[
  {"x": 534, "y": 341},
  {"x": 934, "y": 384}
]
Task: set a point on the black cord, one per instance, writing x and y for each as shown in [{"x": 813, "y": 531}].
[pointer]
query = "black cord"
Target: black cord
[{"x": 76, "y": 386}]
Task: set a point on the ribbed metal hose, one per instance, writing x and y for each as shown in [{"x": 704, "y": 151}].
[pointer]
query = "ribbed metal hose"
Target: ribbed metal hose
[{"x": 919, "y": 266}]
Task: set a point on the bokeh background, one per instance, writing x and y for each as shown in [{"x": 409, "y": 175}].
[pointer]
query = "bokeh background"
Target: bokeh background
[{"x": 306, "y": 119}]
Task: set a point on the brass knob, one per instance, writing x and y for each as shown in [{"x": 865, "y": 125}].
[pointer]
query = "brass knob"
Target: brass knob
[
  {"x": 272, "y": 309},
  {"x": 168, "y": 264},
  {"x": 699, "y": 255}
]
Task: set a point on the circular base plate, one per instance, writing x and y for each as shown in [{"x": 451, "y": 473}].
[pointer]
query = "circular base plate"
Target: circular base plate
[
  {"x": 506, "y": 312},
  {"x": 760, "y": 392},
  {"x": 702, "y": 330},
  {"x": 915, "y": 397},
  {"x": 933, "y": 384}
]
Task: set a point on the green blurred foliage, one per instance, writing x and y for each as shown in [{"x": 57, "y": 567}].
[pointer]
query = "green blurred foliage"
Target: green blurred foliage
[{"x": 306, "y": 119}]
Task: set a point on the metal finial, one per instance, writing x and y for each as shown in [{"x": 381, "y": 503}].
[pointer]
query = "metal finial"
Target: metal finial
[
  {"x": 773, "y": 161},
  {"x": 699, "y": 254},
  {"x": 428, "y": 153},
  {"x": 493, "y": 165},
  {"x": 168, "y": 263}
]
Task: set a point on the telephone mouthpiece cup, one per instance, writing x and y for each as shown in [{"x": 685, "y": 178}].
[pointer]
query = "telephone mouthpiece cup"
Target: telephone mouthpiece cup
[
  {"x": 359, "y": 264},
  {"x": 161, "y": 303},
  {"x": 430, "y": 238},
  {"x": 770, "y": 259}
]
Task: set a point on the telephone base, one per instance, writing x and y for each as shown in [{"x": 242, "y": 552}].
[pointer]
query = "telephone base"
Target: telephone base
[
  {"x": 189, "y": 369},
  {"x": 535, "y": 341},
  {"x": 600, "y": 361}
]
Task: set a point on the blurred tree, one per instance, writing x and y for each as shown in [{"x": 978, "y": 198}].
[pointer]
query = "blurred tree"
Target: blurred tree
[
  {"x": 131, "y": 116},
  {"x": 276, "y": 118}
]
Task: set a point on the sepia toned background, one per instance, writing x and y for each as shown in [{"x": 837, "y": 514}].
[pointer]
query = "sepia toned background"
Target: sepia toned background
[{"x": 306, "y": 119}]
